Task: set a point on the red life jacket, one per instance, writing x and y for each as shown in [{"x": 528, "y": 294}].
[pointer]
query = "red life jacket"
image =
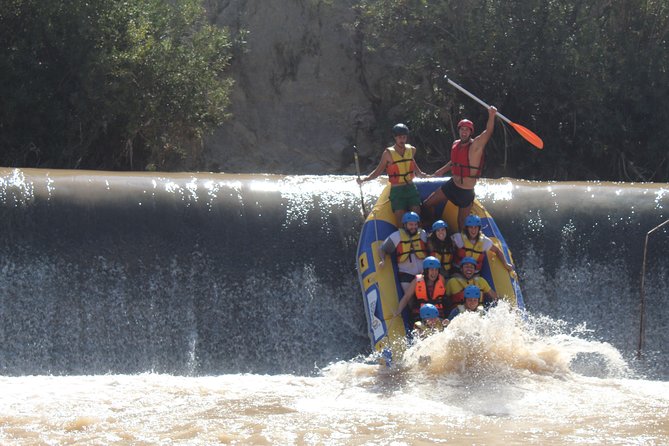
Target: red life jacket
[
  {"x": 460, "y": 161},
  {"x": 436, "y": 299}
]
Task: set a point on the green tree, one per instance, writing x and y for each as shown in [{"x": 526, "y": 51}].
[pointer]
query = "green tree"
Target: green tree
[
  {"x": 109, "y": 84},
  {"x": 588, "y": 77}
]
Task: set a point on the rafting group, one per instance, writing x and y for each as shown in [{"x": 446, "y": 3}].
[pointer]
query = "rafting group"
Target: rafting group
[
  {"x": 448, "y": 282},
  {"x": 462, "y": 265}
]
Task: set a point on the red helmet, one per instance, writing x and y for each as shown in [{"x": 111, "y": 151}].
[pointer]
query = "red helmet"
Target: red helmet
[{"x": 466, "y": 123}]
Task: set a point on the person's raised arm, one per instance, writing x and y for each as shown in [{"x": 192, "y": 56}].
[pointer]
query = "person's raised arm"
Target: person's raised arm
[{"x": 481, "y": 140}]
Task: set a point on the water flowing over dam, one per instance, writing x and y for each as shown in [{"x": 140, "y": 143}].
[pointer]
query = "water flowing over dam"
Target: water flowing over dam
[{"x": 200, "y": 274}]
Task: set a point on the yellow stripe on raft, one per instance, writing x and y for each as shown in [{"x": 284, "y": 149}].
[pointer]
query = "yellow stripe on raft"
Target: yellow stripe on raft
[{"x": 385, "y": 276}]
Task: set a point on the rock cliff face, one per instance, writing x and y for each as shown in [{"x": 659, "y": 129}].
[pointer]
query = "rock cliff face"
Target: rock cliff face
[{"x": 300, "y": 101}]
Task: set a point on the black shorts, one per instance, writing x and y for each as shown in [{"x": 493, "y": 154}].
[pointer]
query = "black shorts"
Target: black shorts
[{"x": 462, "y": 198}]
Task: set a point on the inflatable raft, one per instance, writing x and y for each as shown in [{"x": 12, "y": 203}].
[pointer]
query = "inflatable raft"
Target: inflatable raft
[{"x": 381, "y": 289}]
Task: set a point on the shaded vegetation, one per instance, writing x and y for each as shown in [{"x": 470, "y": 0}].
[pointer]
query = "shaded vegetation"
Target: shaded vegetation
[
  {"x": 131, "y": 84},
  {"x": 590, "y": 77},
  {"x": 137, "y": 84}
]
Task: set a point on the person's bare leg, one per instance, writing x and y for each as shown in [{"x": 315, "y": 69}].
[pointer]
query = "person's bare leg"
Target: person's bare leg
[
  {"x": 462, "y": 214},
  {"x": 398, "y": 217},
  {"x": 437, "y": 197}
]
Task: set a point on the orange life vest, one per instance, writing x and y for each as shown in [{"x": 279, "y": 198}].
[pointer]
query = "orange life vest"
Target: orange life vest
[
  {"x": 460, "y": 161},
  {"x": 410, "y": 245},
  {"x": 437, "y": 297},
  {"x": 401, "y": 171}
]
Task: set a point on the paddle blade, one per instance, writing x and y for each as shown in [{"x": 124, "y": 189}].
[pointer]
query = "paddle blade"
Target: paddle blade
[{"x": 529, "y": 135}]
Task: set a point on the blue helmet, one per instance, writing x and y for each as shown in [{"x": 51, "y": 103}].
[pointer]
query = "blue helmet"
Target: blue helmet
[
  {"x": 431, "y": 262},
  {"x": 439, "y": 224},
  {"x": 410, "y": 217},
  {"x": 472, "y": 292},
  {"x": 469, "y": 260},
  {"x": 473, "y": 220},
  {"x": 400, "y": 129},
  {"x": 428, "y": 311}
]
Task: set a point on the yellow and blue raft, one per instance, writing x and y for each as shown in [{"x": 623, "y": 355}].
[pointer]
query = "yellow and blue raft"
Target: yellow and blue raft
[{"x": 381, "y": 289}]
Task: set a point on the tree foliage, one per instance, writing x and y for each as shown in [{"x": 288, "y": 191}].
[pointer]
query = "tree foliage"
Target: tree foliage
[
  {"x": 130, "y": 84},
  {"x": 588, "y": 76}
]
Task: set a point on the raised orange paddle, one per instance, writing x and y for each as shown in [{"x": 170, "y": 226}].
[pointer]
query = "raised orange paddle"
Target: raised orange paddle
[{"x": 526, "y": 133}]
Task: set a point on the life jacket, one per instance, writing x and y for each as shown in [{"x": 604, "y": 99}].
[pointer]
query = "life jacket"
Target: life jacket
[
  {"x": 410, "y": 245},
  {"x": 442, "y": 251},
  {"x": 473, "y": 250},
  {"x": 402, "y": 169},
  {"x": 460, "y": 161},
  {"x": 438, "y": 293},
  {"x": 459, "y": 296}
]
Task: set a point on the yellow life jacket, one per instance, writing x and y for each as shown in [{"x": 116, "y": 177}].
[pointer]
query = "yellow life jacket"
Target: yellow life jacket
[
  {"x": 443, "y": 254},
  {"x": 410, "y": 245},
  {"x": 463, "y": 282},
  {"x": 401, "y": 171},
  {"x": 462, "y": 309},
  {"x": 474, "y": 250},
  {"x": 423, "y": 330}
]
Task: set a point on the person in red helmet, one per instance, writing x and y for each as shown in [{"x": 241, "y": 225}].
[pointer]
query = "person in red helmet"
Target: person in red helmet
[{"x": 466, "y": 166}]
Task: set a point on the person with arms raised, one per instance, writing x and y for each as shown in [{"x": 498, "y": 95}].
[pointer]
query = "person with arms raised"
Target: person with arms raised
[{"x": 466, "y": 167}]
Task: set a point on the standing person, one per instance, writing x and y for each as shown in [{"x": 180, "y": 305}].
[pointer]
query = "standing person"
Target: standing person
[
  {"x": 440, "y": 245},
  {"x": 466, "y": 166},
  {"x": 398, "y": 161},
  {"x": 409, "y": 244},
  {"x": 471, "y": 242}
]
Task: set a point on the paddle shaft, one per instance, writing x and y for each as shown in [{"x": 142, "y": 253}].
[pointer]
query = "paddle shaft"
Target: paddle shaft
[
  {"x": 501, "y": 116},
  {"x": 357, "y": 171},
  {"x": 526, "y": 133}
]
